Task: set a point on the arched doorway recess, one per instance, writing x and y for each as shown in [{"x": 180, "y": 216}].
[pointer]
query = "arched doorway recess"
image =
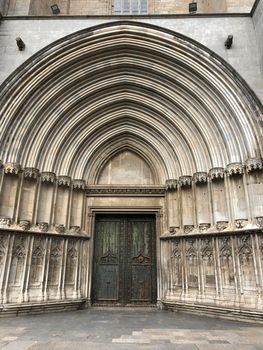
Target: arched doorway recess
[{"x": 194, "y": 126}]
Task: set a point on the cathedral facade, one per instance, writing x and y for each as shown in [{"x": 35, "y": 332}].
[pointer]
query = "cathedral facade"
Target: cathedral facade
[{"x": 131, "y": 160}]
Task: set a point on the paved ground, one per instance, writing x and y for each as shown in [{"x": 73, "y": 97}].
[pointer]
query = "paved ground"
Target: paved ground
[{"x": 131, "y": 329}]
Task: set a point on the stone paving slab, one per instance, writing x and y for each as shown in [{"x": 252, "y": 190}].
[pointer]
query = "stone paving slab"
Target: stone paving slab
[{"x": 127, "y": 329}]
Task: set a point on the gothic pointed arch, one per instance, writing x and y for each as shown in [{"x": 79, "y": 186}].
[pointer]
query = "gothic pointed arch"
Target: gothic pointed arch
[{"x": 124, "y": 82}]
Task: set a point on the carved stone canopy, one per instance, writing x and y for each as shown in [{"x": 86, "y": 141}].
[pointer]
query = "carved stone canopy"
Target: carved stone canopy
[
  {"x": 12, "y": 168},
  {"x": 200, "y": 177},
  {"x": 216, "y": 173},
  {"x": 171, "y": 184},
  {"x": 234, "y": 169},
  {"x": 78, "y": 184},
  {"x": 31, "y": 173},
  {"x": 185, "y": 181},
  {"x": 48, "y": 176},
  {"x": 254, "y": 164},
  {"x": 64, "y": 181}
]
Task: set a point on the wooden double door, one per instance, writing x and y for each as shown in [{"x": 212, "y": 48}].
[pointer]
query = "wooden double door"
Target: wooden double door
[{"x": 124, "y": 269}]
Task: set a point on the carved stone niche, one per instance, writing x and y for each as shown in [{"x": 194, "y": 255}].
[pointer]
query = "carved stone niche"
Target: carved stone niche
[
  {"x": 31, "y": 173},
  {"x": 221, "y": 225},
  {"x": 252, "y": 164},
  {"x": 234, "y": 169},
  {"x": 12, "y": 168},
  {"x": 64, "y": 181},
  {"x": 24, "y": 225},
  {"x": 5, "y": 221},
  {"x": 216, "y": 173},
  {"x": 78, "y": 184},
  {"x": 173, "y": 230},
  {"x": 259, "y": 221},
  {"x": 171, "y": 185},
  {"x": 185, "y": 181},
  {"x": 43, "y": 226},
  {"x": 60, "y": 228},
  {"x": 188, "y": 228},
  {"x": 240, "y": 223},
  {"x": 47, "y": 176},
  {"x": 203, "y": 227},
  {"x": 200, "y": 177}
]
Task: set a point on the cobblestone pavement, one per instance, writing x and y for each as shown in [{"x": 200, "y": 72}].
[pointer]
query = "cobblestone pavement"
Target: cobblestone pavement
[{"x": 133, "y": 328}]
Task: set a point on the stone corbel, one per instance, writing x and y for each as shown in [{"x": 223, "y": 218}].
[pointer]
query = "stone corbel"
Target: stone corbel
[
  {"x": 64, "y": 181},
  {"x": 31, "y": 173},
  {"x": 252, "y": 164},
  {"x": 171, "y": 185},
  {"x": 234, "y": 169},
  {"x": 185, "y": 181},
  {"x": 78, "y": 184},
  {"x": 216, "y": 173},
  {"x": 200, "y": 177},
  {"x": 12, "y": 168},
  {"x": 48, "y": 176}
]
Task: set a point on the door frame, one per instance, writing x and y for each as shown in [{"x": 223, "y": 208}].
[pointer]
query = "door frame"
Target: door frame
[{"x": 156, "y": 211}]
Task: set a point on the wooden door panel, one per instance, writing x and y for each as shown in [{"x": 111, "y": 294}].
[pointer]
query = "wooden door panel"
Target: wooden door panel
[
  {"x": 124, "y": 260},
  {"x": 108, "y": 283},
  {"x": 107, "y": 260},
  {"x": 141, "y": 240},
  {"x": 141, "y": 289}
]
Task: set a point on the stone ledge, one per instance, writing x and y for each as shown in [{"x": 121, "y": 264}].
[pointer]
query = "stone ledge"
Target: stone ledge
[
  {"x": 217, "y": 311},
  {"x": 7, "y": 310}
]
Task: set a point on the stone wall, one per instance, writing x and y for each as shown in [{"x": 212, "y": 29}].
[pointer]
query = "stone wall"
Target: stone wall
[
  {"x": 106, "y": 7},
  {"x": 258, "y": 23},
  {"x": 243, "y": 55}
]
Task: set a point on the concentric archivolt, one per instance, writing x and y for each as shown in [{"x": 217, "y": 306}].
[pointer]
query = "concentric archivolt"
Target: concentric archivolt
[{"x": 127, "y": 85}]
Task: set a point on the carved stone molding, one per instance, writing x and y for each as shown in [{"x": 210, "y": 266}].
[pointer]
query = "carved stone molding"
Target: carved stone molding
[
  {"x": 5, "y": 221},
  {"x": 200, "y": 177},
  {"x": 1, "y": 164},
  {"x": 259, "y": 221},
  {"x": 240, "y": 223},
  {"x": 203, "y": 227},
  {"x": 185, "y": 181},
  {"x": 48, "y": 176},
  {"x": 234, "y": 169},
  {"x": 64, "y": 181},
  {"x": 12, "y": 168},
  {"x": 24, "y": 225},
  {"x": 124, "y": 191},
  {"x": 60, "y": 228},
  {"x": 221, "y": 225},
  {"x": 216, "y": 173},
  {"x": 173, "y": 230},
  {"x": 254, "y": 164},
  {"x": 78, "y": 184},
  {"x": 171, "y": 185},
  {"x": 43, "y": 226},
  {"x": 31, "y": 173},
  {"x": 188, "y": 228}
]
